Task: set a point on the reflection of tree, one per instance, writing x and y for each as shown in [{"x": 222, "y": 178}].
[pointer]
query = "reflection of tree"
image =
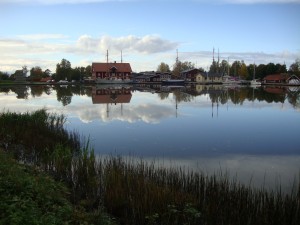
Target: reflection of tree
[
  {"x": 294, "y": 99},
  {"x": 163, "y": 95},
  {"x": 5, "y": 90},
  {"x": 21, "y": 91},
  {"x": 36, "y": 91},
  {"x": 182, "y": 96},
  {"x": 64, "y": 94}
]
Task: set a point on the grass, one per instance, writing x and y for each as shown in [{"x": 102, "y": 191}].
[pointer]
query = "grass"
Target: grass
[{"x": 116, "y": 190}]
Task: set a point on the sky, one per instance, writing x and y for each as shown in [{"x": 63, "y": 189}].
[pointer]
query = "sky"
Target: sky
[{"x": 147, "y": 32}]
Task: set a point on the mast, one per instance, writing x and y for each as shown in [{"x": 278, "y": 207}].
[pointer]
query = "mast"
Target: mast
[
  {"x": 218, "y": 66},
  {"x": 107, "y": 56},
  {"x": 228, "y": 66},
  {"x": 107, "y": 64},
  {"x": 254, "y": 71},
  {"x": 121, "y": 57}
]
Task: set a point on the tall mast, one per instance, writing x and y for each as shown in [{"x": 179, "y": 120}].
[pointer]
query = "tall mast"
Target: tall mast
[
  {"x": 228, "y": 66},
  {"x": 218, "y": 66},
  {"x": 254, "y": 71},
  {"x": 177, "y": 56},
  {"x": 107, "y": 56},
  {"x": 121, "y": 57}
]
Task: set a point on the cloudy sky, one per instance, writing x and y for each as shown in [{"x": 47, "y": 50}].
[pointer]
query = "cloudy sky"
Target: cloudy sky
[{"x": 148, "y": 32}]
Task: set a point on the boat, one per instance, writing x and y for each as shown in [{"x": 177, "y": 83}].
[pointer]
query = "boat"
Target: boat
[
  {"x": 254, "y": 82},
  {"x": 113, "y": 80},
  {"x": 228, "y": 80},
  {"x": 173, "y": 82}
]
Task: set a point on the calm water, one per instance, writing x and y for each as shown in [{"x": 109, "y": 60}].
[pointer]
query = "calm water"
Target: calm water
[{"x": 251, "y": 133}]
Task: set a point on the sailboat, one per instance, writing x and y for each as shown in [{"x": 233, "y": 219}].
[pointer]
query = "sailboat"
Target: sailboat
[{"x": 254, "y": 82}]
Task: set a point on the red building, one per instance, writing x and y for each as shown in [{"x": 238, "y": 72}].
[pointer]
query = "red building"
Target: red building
[
  {"x": 275, "y": 78},
  {"x": 114, "y": 70}
]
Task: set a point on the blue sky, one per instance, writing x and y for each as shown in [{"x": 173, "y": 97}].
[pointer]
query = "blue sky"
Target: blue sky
[{"x": 42, "y": 32}]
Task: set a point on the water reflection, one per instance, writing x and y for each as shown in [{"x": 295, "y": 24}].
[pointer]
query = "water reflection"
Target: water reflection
[
  {"x": 249, "y": 131},
  {"x": 122, "y": 94}
]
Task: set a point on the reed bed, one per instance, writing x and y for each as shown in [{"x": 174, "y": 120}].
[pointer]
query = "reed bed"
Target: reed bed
[{"x": 139, "y": 192}]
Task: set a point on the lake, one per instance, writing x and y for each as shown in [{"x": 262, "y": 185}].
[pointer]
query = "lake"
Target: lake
[{"x": 252, "y": 134}]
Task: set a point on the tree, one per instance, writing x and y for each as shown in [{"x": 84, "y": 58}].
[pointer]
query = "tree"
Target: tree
[
  {"x": 36, "y": 73},
  {"x": 47, "y": 73},
  {"x": 295, "y": 67},
  {"x": 235, "y": 67},
  {"x": 3, "y": 76},
  {"x": 243, "y": 72},
  {"x": 224, "y": 67},
  {"x": 163, "y": 68},
  {"x": 88, "y": 71},
  {"x": 179, "y": 66},
  {"x": 63, "y": 70}
]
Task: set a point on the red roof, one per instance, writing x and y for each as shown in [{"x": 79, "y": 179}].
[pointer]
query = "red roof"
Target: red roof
[
  {"x": 103, "y": 67},
  {"x": 45, "y": 79},
  {"x": 274, "y": 77}
]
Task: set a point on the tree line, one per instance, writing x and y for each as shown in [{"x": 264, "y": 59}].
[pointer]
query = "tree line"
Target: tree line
[
  {"x": 236, "y": 69},
  {"x": 64, "y": 70}
]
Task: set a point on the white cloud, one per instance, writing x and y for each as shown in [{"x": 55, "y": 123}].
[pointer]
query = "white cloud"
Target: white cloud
[
  {"x": 38, "y": 37},
  {"x": 144, "y": 53},
  {"x": 41, "y": 47},
  {"x": 147, "y": 44}
]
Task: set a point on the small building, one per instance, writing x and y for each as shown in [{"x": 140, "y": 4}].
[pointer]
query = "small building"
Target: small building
[
  {"x": 293, "y": 80},
  {"x": 111, "y": 70},
  {"x": 189, "y": 75},
  {"x": 165, "y": 76},
  {"x": 209, "y": 78},
  {"x": 275, "y": 79},
  {"x": 151, "y": 76}
]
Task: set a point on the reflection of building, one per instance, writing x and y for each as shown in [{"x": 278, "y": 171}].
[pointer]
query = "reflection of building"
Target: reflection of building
[{"x": 111, "y": 95}]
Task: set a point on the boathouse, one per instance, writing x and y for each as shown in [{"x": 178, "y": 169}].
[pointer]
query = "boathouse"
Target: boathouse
[
  {"x": 111, "y": 70},
  {"x": 275, "y": 79}
]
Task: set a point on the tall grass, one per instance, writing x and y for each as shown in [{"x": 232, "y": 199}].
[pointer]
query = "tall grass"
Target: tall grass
[{"x": 137, "y": 192}]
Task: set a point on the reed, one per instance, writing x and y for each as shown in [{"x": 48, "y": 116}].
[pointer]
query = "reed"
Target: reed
[{"x": 140, "y": 192}]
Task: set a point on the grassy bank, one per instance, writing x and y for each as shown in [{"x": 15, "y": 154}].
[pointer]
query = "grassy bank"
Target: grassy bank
[{"x": 134, "y": 192}]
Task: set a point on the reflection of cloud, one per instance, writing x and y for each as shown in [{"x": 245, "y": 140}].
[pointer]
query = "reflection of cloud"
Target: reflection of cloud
[{"x": 148, "y": 113}]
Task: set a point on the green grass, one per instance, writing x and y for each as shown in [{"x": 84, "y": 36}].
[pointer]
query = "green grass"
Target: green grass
[
  {"x": 31, "y": 197},
  {"x": 137, "y": 192}
]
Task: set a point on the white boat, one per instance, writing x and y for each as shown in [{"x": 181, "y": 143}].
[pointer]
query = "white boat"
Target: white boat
[
  {"x": 254, "y": 82},
  {"x": 228, "y": 80},
  {"x": 113, "y": 80}
]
